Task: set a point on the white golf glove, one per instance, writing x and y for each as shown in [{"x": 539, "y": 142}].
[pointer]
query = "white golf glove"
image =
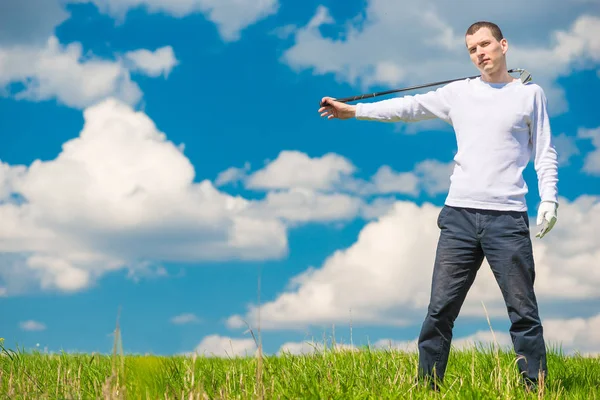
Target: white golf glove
[{"x": 547, "y": 215}]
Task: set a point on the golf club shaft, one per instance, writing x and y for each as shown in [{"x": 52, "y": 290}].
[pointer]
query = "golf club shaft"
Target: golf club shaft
[{"x": 376, "y": 94}]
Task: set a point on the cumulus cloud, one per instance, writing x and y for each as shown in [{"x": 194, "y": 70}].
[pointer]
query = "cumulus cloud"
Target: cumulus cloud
[
  {"x": 32, "y": 326},
  {"x": 592, "y": 160},
  {"x": 232, "y": 175},
  {"x": 153, "y": 63},
  {"x": 333, "y": 173},
  {"x": 429, "y": 176},
  {"x": 385, "y": 270},
  {"x": 305, "y": 205},
  {"x": 294, "y": 169},
  {"x": 30, "y": 22},
  {"x": 223, "y": 346},
  {"x": 582, "y": 338},
  {"x": 62, "y": 72},
  {"x": 431, "y": 38},
  {"x": 301, "y": 188},
  {"x": 35, "y": 66},
  {"x": 384, "y": 277},
  {"x": 118, "y": 196},
  {"x": 434, "y": 176},
  {"x": 230, "y": 16},
  {"x": 378, "y": 207},
  {"x": 566, "y": 147},
  {"x": 485, "y": 339},
  {"x": 121, "y": 196},
  {"x": 387, "y": 181},
  {"x": 312, "y": 347},
  {"x": 43, "y": 68}
]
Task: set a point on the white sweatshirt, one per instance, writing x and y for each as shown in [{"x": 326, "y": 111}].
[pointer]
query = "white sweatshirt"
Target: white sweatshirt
[{"x": 497, "y": 126}]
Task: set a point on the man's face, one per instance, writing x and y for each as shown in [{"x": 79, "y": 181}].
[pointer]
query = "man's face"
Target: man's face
[{"x": 485, "y": 51}]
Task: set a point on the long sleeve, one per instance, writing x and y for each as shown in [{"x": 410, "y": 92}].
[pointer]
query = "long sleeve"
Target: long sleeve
[
  {"x": 545, "y": 156},
  {"x": 430, "y": 105}
]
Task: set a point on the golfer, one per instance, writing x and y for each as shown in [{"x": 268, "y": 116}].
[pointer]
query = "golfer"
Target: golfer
[{"x": 500, "y": 125}]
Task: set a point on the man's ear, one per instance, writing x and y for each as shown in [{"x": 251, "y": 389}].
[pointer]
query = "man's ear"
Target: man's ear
[{"x": 504, "y": 44}]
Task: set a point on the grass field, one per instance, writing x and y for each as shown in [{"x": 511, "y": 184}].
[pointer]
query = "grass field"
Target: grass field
[{"x": 480, "y": 373}]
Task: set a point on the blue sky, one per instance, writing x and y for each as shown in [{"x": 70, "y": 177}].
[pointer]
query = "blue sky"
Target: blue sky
[{"x": 157, "y": 157}]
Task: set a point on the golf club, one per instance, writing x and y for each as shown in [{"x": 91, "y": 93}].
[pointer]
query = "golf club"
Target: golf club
[{"x": 525, "y": 77}]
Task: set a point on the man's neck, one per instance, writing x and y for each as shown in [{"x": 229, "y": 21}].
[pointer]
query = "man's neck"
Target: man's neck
[{"x": 500, "y": 76}]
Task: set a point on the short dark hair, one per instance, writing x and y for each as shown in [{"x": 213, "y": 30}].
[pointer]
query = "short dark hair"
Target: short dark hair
[{"x": 495, "y": 29}]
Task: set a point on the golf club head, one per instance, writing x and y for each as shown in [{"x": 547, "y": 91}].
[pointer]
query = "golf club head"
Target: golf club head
[{"x": 525, "y": 76}]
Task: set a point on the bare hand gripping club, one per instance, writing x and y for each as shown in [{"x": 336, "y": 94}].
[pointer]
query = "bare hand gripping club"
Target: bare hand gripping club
[{"x": 525, "y": 77}]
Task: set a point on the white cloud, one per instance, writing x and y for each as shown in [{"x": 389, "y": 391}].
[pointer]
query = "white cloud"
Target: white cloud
[
  {"x": 410, "y": 346},
  {"x": 385, "y": 268},
  {"x": 8, "y": 175},
  {"x": 429, "y": 176},
  {"x": 283, "y": 32},
  {"x": 32, "y": 325},
  {"x": 153, "y": 63},
  {"x": 482, "y": 338},
  {"x": 187, "y": 318},
  {"x": 434, "y": 176},
  {"x": 312, "y": 347},
  {"x": 334, "y": 173},
  {"x": 44, "y": 69},
  {"x": 485, "y": 339},
  {"x": 118, "y": 196},
  {"x": 64, "y": 73},
  {"x": 110, "y": 204},
  {"x": 302, "y": 189},
  {"x": 432, "y": 43},
  {"x": 55, "y": 271},
  {"x": 294, "y": 169},
  {"x": 230, "y": 16},
  {"x": 387, "y": 181},
  {"x": 582, "y": 336},
  {"x": 222, "y": 346},
  {"x": 232, "y": 175},
  {"x": 301, "y": 348},
  {"x": 30, "y": 22},
  {"x": 384, "y": 277},
  {"x": 305, "y": 205},
  {"x": 592, "y": 160},
  {"x": 26, "y": 265},
  {"x": 579, "y": 46},
  {"x": 566, "y": 147},
  {"x": 378, "y": 207},
  {"x": 146, "y": 270}
]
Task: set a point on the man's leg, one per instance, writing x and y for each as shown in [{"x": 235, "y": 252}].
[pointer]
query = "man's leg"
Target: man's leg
[
  {"x": 458, "y": 258},
  {"x": 507, "y": 246}
]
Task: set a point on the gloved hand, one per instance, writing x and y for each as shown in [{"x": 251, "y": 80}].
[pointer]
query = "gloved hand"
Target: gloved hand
[{"x": 547, "y": 215}]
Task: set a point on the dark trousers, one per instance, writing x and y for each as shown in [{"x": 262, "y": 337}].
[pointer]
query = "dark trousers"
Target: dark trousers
[{"x": 466, "y": 237}]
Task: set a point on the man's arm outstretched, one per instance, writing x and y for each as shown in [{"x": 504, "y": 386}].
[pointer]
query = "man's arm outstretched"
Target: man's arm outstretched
[{"x": 430, "y": 105}]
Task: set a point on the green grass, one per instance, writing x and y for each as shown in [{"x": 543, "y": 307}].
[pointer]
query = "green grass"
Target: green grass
[{"x": 365, "y": 374}]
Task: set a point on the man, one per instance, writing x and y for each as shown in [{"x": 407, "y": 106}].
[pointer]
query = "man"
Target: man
[{"x": 500, "y": 123}]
